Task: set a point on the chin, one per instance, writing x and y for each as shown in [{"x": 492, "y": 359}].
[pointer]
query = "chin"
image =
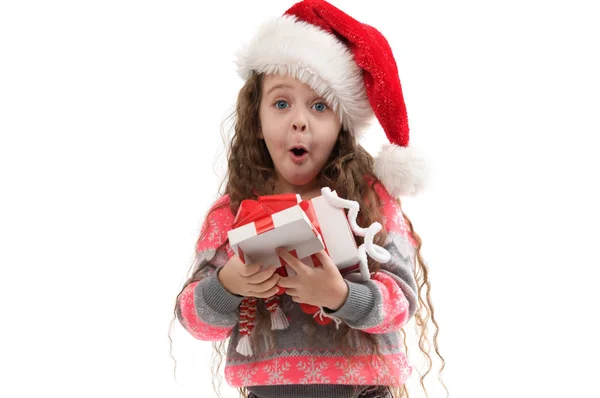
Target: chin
[{"x": 300, "y": 180}]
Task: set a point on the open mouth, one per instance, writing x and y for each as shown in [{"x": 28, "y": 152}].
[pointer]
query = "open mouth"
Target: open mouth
[
  {"x": 299, "y": 155},
  {"x": 299, "y": 151}
]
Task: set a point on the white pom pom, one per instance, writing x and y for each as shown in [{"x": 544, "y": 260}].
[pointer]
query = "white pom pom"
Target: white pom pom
[
  {"x": 278, "y": 320},
  {"x": 244, "y": 347},
  {"x": 402, "y": 170}
]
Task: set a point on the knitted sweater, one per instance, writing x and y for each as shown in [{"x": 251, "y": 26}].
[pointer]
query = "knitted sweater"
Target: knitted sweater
[{"x": 304, "y": 359}]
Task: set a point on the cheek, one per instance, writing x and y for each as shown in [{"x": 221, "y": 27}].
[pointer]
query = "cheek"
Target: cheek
[
  {"x": 332, "y": 137},
  {"x": 328, "y": 146},
  {"x": 273, "y": 140},
  {"x": 269, "y": 130}
]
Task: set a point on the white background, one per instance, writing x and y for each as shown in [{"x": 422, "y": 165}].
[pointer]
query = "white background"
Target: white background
[{"x": 110, "y": 154}]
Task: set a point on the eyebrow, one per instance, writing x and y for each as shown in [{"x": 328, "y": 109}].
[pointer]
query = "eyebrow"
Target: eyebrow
[{"x": 278, "y": 86}]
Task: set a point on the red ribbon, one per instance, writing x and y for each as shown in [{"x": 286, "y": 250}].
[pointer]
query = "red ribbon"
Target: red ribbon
[{"x": 260, "y": 211}]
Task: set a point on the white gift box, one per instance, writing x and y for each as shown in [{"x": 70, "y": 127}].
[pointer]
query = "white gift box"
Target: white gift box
[
  {"x": 291, "y": 230},
  {"x": 336, "y": 233}
]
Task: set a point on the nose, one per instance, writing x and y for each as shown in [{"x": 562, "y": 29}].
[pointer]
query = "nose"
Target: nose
[
  {"x": 299, "y": 122},
  {"x": 299, "y": 126}
]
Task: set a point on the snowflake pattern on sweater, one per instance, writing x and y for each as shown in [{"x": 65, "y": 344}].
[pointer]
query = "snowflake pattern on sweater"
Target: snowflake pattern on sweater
[{"x": 362, "y": 370}]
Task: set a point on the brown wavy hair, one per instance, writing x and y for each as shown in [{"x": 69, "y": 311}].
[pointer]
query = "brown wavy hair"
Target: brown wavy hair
[{"x": 349, "y": 172}]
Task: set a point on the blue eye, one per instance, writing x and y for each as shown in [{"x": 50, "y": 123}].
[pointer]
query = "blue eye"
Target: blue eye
[
  {"x": 320, "y": 107},
  {"x": 281, "y": 104}
]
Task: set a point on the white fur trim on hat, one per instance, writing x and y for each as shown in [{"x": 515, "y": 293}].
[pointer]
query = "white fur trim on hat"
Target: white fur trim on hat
[
  {"x": 402, "y": 170},
  {"x": 287, "y": 46}
]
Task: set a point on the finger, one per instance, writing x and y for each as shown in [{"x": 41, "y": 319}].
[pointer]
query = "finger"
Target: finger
[
  {"x": 296, "y": 299},
  {"x": 263, "y": 287},
  {"x": 271, "y": 292},
  {"x": 266, "y": 285},
  {"x": 291, "y": 291},
  {"x": 290, "y": 281},
  {"x": 250, "y": 269},
  {"x": 261, "y": 276},
  {"x": 297, "y": 265},
  {"x": 326, "y": 261}
]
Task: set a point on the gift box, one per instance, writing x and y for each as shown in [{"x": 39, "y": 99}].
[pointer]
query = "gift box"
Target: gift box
[
  {"x": 301, "y": 227},
  {"x": 335, "y": 231},
  {"x": 271, "y": 222}
]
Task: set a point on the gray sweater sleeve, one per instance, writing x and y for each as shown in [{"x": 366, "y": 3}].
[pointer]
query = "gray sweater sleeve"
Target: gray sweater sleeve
[
  {"x": 363, "y": 307},
  {"x": 213, "y": 304}
]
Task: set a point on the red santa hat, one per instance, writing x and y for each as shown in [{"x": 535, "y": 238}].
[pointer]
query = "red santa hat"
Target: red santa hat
[{"x": 351, "y": 65}]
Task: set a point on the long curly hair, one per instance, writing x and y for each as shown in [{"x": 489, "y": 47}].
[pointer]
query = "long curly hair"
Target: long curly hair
[{"x": 349, "y": 172}]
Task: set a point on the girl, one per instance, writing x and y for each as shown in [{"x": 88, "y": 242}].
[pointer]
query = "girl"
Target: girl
[{"x": 314, "y": 79}]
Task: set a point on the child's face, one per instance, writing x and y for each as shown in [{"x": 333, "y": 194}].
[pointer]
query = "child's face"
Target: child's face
[{"x": 299, "y": 130}]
